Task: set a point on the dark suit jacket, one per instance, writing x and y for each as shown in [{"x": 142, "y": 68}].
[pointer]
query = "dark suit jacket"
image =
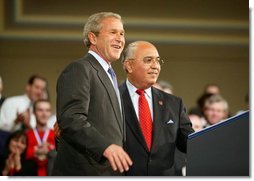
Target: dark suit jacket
[
  {"x": 89, "y": 117},
  {"x": 166, "y": 135}
]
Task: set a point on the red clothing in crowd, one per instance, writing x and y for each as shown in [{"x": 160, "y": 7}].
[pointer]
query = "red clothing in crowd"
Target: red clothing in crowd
[{"x": 34, "y": 140}]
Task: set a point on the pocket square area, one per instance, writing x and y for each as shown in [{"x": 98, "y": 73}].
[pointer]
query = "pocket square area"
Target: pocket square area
[{"x": 170, "y": 121}]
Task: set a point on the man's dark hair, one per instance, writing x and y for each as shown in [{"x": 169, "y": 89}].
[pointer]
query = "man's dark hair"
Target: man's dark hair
[
  {"x": 36, "y": 76},
  {"x": 40, "y": 100}
]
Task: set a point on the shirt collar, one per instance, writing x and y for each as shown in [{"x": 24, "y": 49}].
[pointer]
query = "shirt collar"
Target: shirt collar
[
  {"x": 28, "y": 100},
  {"x": 102, "y": 62},
  {"x": 132, "y": 89}
]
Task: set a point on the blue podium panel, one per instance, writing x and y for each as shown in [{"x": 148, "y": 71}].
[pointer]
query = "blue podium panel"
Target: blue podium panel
[{"x": 221, "y": 149}]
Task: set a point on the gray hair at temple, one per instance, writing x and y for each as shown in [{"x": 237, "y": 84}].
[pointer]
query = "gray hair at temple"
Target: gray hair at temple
[
  {"x": 93, "y": 24},
  {"x": 129, "y": 51}
]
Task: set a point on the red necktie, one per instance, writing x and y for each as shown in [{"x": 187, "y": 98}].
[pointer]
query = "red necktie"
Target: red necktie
[{"x": 145, "y": 118}]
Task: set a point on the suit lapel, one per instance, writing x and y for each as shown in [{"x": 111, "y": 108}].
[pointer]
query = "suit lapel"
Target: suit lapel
[
  {"x": 158, "y": 105},
  {"x": 109, "y": 88},
  {"x": 131, "y": 117}
]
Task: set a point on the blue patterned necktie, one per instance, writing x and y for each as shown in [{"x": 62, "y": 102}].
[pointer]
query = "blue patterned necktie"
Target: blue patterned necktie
[{"x": 113, "y": 77}]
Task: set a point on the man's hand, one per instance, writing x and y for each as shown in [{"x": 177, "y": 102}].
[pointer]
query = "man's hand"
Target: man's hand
[
  {"x": 24, "y": 118},
  {"x": 118, "y": 158}
]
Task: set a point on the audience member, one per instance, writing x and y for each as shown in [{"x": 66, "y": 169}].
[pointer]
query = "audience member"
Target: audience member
[
  {"x": 212, "y": 89},
  {"x": 41, "y": 140},
  {"x": 246, "y": 105},
  {"x": 164, "y": 86},
  {"x": 2, "y": 98},
  {"x": 209, "y": 90},
  {"x": 215, "y": 110},
  {"x": 52, "y": 118},
  {"x": 3, "y": 134},
  {"x": 13, "y": 162},
  {"x": 16, "y": 112},
  {"x": 197, "y": 122},
  {"x": 199, "y": 108}
]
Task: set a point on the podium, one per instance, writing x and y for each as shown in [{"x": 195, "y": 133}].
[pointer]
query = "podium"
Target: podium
[{"x": 221, "y": 149}]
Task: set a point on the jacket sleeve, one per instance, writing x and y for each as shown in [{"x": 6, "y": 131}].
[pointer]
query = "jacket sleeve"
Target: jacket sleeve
[{"x": 185, "y": 128}]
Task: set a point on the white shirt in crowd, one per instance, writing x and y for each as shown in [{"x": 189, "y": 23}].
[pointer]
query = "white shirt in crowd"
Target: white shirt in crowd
[{"x": 13, "y": 106}]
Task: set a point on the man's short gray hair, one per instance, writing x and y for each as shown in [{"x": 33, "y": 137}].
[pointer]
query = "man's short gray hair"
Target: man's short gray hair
[
  {"x": 129, "y": 51},
  {"x": 93, "y": 24},
  {"x": 217, "y": 98}
]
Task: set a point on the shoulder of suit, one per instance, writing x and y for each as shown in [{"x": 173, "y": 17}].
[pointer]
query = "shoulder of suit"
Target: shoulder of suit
[{"x": 84, "y": 60}]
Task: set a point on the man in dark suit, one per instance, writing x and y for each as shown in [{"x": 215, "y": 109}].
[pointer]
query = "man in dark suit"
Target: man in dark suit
[
  {"x": 89, "y": 110},
  {"x": 169, "y": 124}
]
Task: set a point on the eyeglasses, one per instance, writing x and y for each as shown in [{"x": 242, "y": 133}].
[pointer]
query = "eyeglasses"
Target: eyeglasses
[{"x": 151, "y": 60}]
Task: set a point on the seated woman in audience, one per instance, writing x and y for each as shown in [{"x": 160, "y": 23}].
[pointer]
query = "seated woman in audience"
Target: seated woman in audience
[{"x": 13, "y": 162}]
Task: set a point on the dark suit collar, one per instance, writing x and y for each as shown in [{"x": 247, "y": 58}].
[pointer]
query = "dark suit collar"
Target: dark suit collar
[
  {"x": 109, "y": 88},
  {"x": 101, "y": 61}
]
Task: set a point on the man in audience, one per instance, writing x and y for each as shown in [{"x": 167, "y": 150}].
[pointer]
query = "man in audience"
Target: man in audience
[
  {"x": 41, "y": 140},
  {"x": 197, "y": 123},
  {"x": 3, "y": 134},
  {"x": 215, "y": 109},
  {"x": 164, "y": 86},
  {"x": 2, "y": 98},
  {"x": 16, "y": 112},
  {"x": 212, "y": 89}
]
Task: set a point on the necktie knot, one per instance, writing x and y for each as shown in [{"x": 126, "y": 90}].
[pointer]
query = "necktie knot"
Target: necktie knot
[
  {"x": 140, "y": 92},
  {"x": 111, "y": 72}
]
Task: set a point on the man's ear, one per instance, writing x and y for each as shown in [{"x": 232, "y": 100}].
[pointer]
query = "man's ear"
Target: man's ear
[
  {"x": 92, "y": 38},
  {"x": 128, "y": 66}
]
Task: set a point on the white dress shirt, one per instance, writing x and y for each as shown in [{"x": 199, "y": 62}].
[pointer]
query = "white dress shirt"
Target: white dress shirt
[
  {"x": 9, "y": 110},
  {"x": 134, "y": 97}
]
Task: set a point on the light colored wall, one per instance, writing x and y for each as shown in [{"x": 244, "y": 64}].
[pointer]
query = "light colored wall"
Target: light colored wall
[{"x": 201, "y": 41}]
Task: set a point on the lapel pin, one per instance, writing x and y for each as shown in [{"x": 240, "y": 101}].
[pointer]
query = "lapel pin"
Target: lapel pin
[{"x": 160, "y": 103}]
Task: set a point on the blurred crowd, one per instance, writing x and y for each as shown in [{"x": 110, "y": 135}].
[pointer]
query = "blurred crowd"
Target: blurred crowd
[
  {"x": 211, "y": 108},
  {"x": 27, "y": 141}
]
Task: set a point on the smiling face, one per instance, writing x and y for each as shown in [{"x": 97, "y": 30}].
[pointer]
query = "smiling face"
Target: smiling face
[
  {"x": 18, "y": 144},
  {"x": 110, "y": 41},
  {"x": 42, "y": 112},
  {"x": 143, "y": 69},
  {"x": 36, "y": 89},
  {"x": 215, "y": 112}
]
